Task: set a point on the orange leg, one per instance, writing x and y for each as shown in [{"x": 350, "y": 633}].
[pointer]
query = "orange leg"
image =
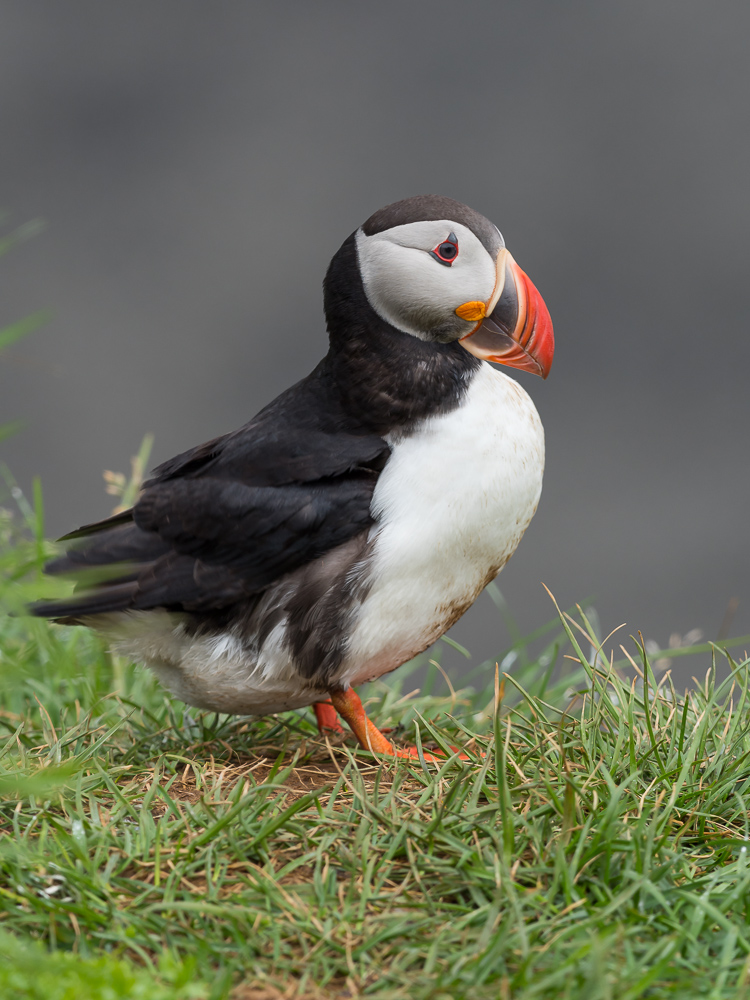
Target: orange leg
[
  {"x": 325, "y": 713},
  {"x": 349, "y": 706}
]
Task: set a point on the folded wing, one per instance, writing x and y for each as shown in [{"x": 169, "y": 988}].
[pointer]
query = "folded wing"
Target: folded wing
[{"x": 223, "y": 521}]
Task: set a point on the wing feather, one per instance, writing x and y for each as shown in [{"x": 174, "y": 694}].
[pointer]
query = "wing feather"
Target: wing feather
[{"x": 221, "y": 522}]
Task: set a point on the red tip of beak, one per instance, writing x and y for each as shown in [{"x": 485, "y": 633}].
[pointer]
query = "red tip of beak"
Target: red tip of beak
[{"x": 533, "y": 333}]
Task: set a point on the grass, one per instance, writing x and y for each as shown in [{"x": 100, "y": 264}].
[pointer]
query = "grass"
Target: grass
[{"x": 594, "y": 846}]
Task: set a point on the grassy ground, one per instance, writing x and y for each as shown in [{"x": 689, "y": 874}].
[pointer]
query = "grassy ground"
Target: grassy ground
[{"x": 594, "y": 846}]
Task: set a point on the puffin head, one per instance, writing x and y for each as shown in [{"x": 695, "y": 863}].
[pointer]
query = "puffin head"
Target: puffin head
[{"x": 439, "y": 271}]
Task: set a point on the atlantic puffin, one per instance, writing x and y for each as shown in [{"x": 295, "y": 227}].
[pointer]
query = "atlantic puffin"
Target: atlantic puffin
[{"x": 351, "y": 522}]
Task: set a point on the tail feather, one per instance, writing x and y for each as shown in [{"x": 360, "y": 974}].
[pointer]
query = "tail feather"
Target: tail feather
[
  {"x": 125, "y": 543},
  {"x": 124, "y": 517},
  {"x": 69, "y": 611},
  {"x": 106, "y": 559}
]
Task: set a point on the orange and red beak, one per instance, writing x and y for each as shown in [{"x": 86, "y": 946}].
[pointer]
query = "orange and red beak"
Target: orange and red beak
[{"x": 515, "y": 328}]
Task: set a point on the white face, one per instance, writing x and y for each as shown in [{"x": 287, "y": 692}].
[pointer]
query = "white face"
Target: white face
[{"x": 417, "y": 294}]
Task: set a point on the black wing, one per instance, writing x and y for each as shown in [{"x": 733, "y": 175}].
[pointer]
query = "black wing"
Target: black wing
[{"x": 221, "y": 522}]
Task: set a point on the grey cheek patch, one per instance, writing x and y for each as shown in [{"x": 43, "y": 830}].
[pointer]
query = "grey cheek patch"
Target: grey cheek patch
[{"x": 411, "y": 288}]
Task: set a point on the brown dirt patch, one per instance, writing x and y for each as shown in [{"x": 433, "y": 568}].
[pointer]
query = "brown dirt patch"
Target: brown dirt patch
[
  {"x": 340, "y": 990},
  {"x": 219, "y": 779}
]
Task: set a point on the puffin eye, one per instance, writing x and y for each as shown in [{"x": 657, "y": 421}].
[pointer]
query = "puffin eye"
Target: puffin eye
[{"x": 447, "y": 251}]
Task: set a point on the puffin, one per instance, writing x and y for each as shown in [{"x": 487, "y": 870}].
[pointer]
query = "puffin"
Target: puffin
[{"x": 355, "y": 518}]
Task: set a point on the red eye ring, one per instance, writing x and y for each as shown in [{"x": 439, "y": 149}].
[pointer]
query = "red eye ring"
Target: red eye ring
[{"x": 447, "y": 251}]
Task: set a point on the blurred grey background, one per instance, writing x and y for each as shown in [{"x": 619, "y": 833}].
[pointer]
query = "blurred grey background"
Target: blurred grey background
[{"x": 198, "y": 164}]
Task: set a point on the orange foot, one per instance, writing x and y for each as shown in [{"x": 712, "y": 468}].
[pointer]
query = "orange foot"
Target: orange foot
[
  {"x": 327, "y": 718},
  {"x": 349, "y": 706}
]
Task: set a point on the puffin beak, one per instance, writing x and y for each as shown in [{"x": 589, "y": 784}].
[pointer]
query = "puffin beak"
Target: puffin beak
[{"x": 515, "y": 328}]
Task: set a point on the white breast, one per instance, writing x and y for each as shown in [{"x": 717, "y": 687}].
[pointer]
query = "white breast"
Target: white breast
[{"x": 452, "y": 504}]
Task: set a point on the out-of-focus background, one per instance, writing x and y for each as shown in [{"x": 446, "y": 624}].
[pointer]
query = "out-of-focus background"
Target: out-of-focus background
[{"x": 197, "y": 165}]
